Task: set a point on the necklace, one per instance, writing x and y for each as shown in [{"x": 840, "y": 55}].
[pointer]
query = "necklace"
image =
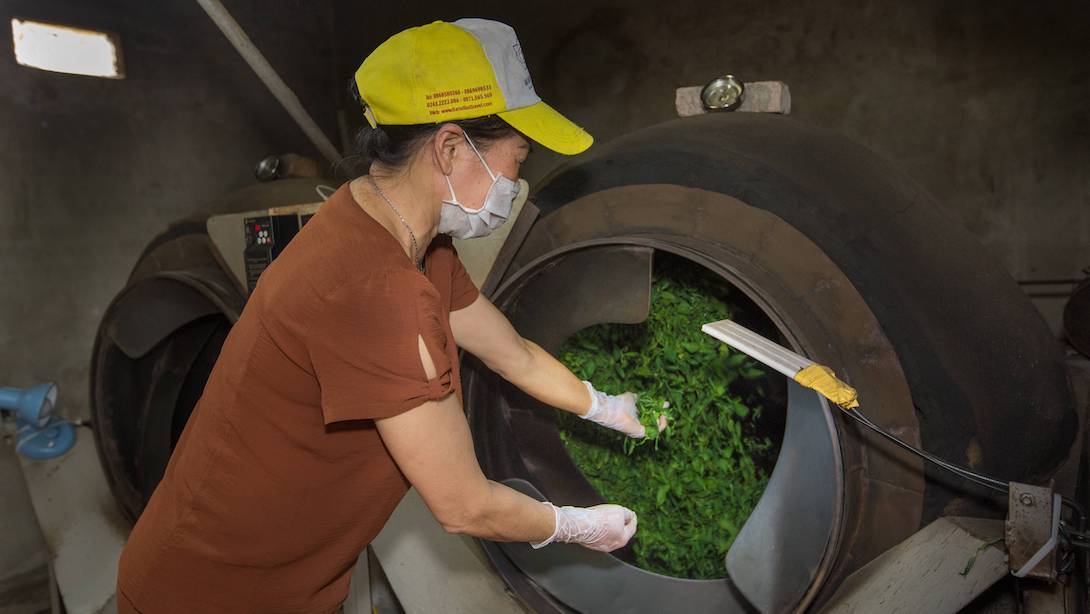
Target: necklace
[{"x": 412, "y": 235}]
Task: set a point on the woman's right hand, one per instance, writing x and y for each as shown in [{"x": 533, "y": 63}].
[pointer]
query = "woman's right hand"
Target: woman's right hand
[
  {"x": 433, "y": 448},
  {"x": 603, "y": 527}
]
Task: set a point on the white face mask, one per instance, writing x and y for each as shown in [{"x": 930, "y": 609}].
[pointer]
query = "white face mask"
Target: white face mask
[{"x": 462, "y": 223}]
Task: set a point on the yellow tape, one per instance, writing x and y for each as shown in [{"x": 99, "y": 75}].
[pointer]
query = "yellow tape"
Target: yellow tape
[{"x": 823, "y": 380}]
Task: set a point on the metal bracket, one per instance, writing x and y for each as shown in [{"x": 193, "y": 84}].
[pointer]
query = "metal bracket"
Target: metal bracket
[
  {"x": 1049, "y": 546},
  {"x": 1033, "y": 521},
  {"x": 760, "y": 97}
]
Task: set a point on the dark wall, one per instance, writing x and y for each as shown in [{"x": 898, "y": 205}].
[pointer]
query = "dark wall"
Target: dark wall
[
  {"x": 92, "y": 169},
  {"x": 983, "y": 102}
]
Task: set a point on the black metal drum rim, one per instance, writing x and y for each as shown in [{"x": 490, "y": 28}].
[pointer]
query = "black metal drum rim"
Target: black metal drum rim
[{"x": 704, "y": 255}]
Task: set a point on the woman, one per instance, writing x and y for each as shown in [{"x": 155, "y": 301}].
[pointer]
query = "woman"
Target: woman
[{"x": 339, "y": 385}]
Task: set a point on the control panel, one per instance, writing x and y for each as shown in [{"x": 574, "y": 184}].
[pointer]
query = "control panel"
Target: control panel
[
  {"x": 249, "y": 241},
  {"x": 266, "y": 237}
]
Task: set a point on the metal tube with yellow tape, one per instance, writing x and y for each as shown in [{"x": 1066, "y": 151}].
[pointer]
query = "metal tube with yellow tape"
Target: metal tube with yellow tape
[
  {"x": 799, "y": 368},
  {"x": 822, "y": 380}
]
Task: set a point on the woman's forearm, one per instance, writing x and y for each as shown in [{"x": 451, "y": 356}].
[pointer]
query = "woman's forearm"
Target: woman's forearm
[
  {"x": 507, "y": 515},
  {"x": 549, "y": 381},
  {"x": 510, "y": 516}
]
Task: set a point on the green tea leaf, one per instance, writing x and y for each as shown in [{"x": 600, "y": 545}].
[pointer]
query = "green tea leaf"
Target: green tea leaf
[{"x": 695, "y": 486}]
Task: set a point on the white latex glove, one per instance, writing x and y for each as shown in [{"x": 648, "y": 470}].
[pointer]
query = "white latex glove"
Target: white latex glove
[
  {"x": 616, "y": 412},
  {"x": 603, "y": 527}
]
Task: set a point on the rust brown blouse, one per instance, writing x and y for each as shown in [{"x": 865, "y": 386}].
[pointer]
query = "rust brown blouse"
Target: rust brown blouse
[{"x": 280, "y": 477}]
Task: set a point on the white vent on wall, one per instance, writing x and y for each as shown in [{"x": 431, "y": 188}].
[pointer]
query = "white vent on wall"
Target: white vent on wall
[{"x": 66, "y": 49}]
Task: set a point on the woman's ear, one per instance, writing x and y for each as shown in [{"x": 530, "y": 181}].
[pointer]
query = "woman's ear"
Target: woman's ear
[{"x": 446, "y": 142}]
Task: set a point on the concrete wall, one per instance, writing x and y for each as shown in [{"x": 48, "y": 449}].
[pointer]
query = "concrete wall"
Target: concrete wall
[
  {"x": 92, "y": 169},
  {"x": 983, "y": 102}
]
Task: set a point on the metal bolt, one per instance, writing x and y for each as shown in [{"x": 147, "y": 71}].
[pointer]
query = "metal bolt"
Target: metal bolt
[{"x": 1027, "y": 499}]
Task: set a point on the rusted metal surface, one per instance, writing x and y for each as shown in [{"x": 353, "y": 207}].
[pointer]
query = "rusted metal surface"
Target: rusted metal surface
[
  {"x": 598, "y": 284},
  {"x": 1029, "y": 527},
  {"x": 145, "y": 314},
  {"x": 821, "y": 311},
  {"x": 777, "y": 554},
  {"x": 939, "y": 317},
  {"x": 1077, "y": 318},
  {"x": 1052, "y": 598},
  {"x": 520, "y": 228},
  {"x": 595, "y": 282},
  {"x": 974, "y": 350}
]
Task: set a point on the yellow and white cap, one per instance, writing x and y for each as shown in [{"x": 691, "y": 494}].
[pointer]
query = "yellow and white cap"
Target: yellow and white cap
[{"x": 450, "y": 71}]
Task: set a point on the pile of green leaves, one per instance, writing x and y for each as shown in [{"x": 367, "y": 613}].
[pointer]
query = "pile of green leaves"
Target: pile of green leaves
[{"x": 693, "y": 485}]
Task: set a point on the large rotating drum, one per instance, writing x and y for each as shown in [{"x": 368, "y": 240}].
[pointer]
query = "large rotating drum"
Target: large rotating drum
[{"x": 851, "y": 261}]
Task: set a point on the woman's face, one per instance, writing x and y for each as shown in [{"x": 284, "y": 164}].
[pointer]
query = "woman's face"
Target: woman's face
[{"x": 470, "y": 179}]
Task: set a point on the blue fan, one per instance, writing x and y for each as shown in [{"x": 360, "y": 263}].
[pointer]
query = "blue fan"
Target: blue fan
[{"x": 41, "y": 435}]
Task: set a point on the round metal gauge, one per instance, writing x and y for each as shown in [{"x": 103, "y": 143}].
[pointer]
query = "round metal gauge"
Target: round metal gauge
[
  {"x": 723, "y": 93},
  {"x": 268, "y": 168}
]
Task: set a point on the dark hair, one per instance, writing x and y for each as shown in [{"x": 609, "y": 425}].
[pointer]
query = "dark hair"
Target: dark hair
[{"x": 394, "y": 145}]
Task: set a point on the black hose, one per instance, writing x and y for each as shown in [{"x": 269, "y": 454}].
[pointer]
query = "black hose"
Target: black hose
[
  {"x": 976, "y": 478},
  {"x": 1078, "y": 541}
]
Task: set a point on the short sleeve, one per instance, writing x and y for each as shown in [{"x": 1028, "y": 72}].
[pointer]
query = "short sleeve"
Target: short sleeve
[
  {"x": 462, "y": 290},
  {"x": 363, "y": 345}
]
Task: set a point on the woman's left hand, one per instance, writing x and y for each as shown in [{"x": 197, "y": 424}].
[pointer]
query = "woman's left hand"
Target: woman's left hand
[{"x": 616, "y": 412}]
